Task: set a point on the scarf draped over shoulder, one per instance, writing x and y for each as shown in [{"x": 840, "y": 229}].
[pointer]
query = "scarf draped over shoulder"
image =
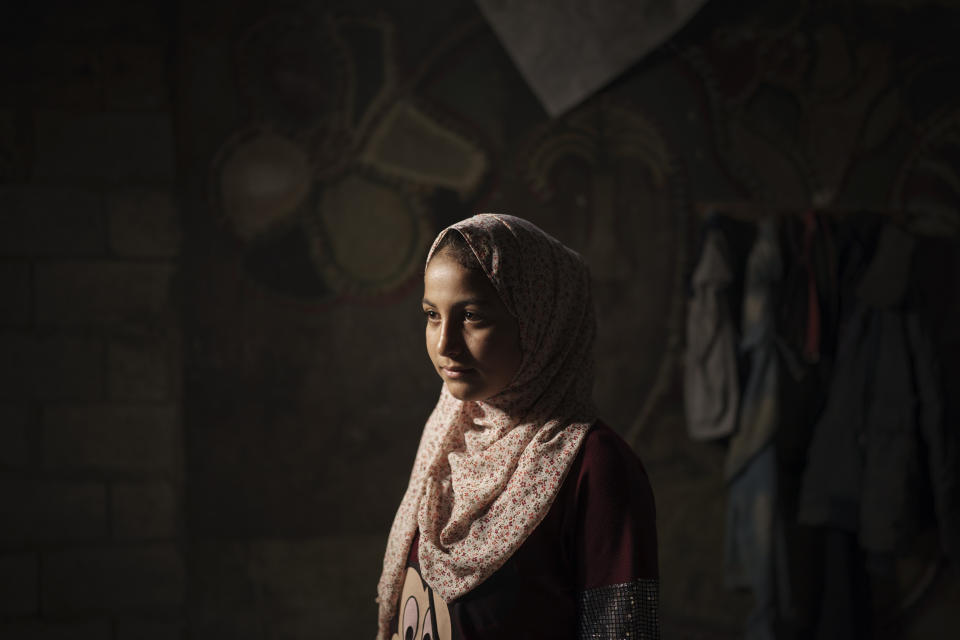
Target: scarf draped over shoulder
[{"x": 486, "y": 472}]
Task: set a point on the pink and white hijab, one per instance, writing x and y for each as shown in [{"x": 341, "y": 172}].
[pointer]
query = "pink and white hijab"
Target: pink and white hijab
[{"x": 486, "y": 473}]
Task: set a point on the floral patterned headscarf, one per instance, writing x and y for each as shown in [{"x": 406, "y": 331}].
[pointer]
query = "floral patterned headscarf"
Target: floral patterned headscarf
[{"x": 487, "y": 472}]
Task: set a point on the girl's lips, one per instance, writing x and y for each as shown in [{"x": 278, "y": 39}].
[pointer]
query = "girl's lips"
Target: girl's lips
[{"x": 454, "y": 374}]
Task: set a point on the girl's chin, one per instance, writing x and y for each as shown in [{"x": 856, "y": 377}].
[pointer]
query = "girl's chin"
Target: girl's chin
[{"x": 466, "y": 391}]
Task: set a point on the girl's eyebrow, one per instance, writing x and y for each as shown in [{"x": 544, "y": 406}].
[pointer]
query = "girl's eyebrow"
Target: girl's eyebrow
[{"x": 476, "y": 301}]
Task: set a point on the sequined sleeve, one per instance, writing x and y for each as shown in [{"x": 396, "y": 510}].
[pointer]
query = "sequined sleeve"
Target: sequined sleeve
[
  {"x": 616, "y": 544},
  {"x": 619, "y": 611}
]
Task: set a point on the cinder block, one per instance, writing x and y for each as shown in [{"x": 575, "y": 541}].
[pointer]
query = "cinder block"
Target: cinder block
[
  {"x": 91, "y": 76},
  {"x": 143, "y": 223},
  {"x": 349, "y": 561},
  {"x": 18, "y": 584},
  {"x": 149, "y": 630},
  {"x": 101, "y": 293},
  {"x": 135, "y": 77},
  {"x": 15, "y": 167},
  {"x": 14, "y": 444},
  {"x": 66, "y": 75},
  {"x": 87, "y": 580},
  {"x": 291, "y": 581},
  {"x": 144, "y": 510},
  {"x": 34, "y": 511},
  {"x": 36, "y": 630},
  {"x": 224, "y": 597},
  {"x": 16, "y": 303},
  {"x": 51, "y": 221},
  {"x": 50, "y": 367},
  {"x": 107, "y": 147},
  {"x": 138, "y": 369},
  {"x": 111, "y": 437}
]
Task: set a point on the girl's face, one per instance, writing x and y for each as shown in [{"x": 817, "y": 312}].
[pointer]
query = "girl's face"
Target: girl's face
[{"x": 472, "y": 340}]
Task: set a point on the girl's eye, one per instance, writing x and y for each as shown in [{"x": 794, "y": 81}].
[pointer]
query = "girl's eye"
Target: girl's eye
[
  {"x": 471, "y": 316},
  {"x": 430, "y": 314}
]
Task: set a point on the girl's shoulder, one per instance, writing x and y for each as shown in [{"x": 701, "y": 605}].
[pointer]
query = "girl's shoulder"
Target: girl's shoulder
[{"x": 602, "y": 447}]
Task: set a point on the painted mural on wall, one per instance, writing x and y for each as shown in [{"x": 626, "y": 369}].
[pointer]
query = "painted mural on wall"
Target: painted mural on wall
[
  {"x": 806, "y": 101},
  {"x": 330, "y": 188},
  {"x": 349, "y": 168},
  {"x": 611, "y": 183},
  {"x": 340, "y": 142}
]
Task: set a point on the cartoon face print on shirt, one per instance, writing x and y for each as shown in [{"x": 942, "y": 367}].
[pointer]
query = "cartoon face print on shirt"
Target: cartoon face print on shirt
[{"x": 422, "y": 616}]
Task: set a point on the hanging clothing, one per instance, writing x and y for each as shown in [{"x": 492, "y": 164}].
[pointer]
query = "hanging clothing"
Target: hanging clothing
[
  {"x": 487, "y": 473},
  {"x": 711, "y": 387},
  {"x": 755, "y": 550},
  {"x": 809, "y": 298},
  {"x": 759, "y": 413},
  {"x": 881, "y": 427},
  {"x": 881, "y": 443}
]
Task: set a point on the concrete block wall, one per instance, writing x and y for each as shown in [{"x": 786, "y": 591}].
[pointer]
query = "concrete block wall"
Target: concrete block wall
[{"x": 91, "y": 469}]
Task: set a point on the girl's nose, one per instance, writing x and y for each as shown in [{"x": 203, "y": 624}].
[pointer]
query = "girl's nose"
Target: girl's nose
[{"x": 450, "y": 343}]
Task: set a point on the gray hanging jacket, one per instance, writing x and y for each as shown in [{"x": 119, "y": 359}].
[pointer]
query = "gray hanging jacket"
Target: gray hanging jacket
[{"x": 710, "y": 383}]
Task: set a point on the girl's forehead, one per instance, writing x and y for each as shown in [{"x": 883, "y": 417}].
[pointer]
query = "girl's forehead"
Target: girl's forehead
[{"x": 446, "y": 276}]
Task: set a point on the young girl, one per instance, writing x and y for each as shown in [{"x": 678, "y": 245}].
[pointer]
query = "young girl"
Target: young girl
[{"x": 525, "y": 516}]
